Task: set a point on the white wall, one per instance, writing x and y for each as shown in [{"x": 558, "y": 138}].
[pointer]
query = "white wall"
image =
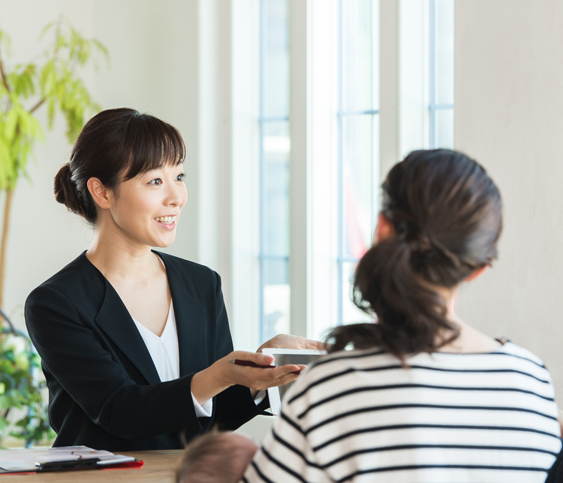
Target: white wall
[
  {"x": 158, "y": 65},
  {"x": 509, "y": 116}
]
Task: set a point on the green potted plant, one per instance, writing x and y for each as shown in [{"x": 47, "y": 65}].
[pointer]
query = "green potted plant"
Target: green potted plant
[
  {"x": 20, "y": 389},
  {"x": 52, "y": 83}
]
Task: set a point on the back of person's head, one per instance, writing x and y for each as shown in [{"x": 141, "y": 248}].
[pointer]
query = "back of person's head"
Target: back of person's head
[
  {"x": 446, "y": 215},
  {"x": 114, "y": 146},
  {"x": 216, "y": 457}
]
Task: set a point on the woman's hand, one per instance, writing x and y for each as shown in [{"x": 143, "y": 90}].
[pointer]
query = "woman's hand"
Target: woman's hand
[
  {"x": 224, "y": 374},
  {"x": 284, "y": 341}
]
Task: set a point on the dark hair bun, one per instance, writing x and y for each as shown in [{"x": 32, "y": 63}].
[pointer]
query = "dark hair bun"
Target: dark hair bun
[{"x": 65, "y": 190}]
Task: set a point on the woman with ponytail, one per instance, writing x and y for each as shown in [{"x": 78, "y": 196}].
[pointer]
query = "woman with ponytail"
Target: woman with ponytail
[
  {"x": 135, "y": 343},
  {"x": 419, "y": 395}
]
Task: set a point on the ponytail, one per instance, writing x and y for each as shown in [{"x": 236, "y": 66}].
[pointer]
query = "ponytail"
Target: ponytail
[{"x": 409, "y": 311}]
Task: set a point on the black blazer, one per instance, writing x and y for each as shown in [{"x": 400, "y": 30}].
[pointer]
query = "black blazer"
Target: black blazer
[{"x": 104, "y": 390}]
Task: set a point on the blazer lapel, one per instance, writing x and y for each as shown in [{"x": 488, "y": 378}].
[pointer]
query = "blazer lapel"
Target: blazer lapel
[
  {"x": 116, "y": 322},
  {"x": 191, "y": 318}
]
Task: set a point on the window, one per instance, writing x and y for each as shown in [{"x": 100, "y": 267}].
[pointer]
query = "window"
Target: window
[
  {"x": 358, "y": 136},
  {"x": 306, "y": 163},
  {"x": 343, "y": 153},
  {"x": 274, "y": 147},
  {"x": 441, "y": 70},
  {"x": 426, "y": 75}
]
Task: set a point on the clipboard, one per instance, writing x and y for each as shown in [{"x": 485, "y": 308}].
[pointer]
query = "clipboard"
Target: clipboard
[{"x": 71, "y": 458}]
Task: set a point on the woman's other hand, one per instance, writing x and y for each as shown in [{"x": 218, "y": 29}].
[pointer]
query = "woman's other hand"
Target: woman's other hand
[
  {"x": 285, "y": 341},
  {"x": 224, "y": 374}
]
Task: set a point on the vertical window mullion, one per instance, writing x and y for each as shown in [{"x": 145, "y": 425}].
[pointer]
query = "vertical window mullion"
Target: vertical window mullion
[
  {"x": 432, "y": 74},
  {"x": 300, "y": 169},
  {"x": 340, "y": 270},
  {"x": 261, "y": 15},
  {"x": 439, "y": 103}
]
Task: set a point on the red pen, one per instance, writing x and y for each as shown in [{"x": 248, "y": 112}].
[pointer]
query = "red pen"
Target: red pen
[{"x": 241, "y": 362}]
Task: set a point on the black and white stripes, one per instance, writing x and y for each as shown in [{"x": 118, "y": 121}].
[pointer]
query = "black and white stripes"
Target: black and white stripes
[{"x": 360, "y": 416}]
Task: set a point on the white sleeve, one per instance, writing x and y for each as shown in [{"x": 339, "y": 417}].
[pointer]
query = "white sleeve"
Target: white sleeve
[
  {"x": 204, "y": 410},
  {"x": 260, "y": 395}
]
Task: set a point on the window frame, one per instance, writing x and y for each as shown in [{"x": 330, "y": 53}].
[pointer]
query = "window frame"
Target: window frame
[
  {"x": 341, "y": 113},
  {"x": 433, "y": 106},
  {"x": 264, "y": 256}
]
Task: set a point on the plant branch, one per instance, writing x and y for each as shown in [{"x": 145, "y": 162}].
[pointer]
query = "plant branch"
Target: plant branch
[
  {"x": 37, "y": 106},
  {"x": 10, "y": 323},
  {"x": 3, "y": 75},
  {"x": 4, "y": 242}
]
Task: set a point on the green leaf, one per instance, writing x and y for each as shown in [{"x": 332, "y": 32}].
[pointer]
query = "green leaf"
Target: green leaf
[
  {"x": 9, "y": 127},
  {"x": 22, "y": 80},
  {"x": 51, "y": 111},
  {"x": 47, "y": 78},
  {"x": 47, "y": 27}
]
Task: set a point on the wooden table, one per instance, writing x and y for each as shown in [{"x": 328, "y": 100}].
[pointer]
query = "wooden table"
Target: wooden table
[{"x": 160, "y": 467}]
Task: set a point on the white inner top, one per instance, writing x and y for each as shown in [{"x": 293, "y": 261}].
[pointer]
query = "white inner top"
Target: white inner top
[
  {"x": 165, "y": 354},
  {"x": 164, "y": 349}
]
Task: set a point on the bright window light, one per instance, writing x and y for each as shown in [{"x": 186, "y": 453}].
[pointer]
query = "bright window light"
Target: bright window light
[
  {"x": 274, "y": 168},
  {"x": 358, "y": 134}
]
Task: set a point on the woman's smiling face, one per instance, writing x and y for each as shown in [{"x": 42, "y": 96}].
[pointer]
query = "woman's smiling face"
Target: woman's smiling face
[{"x": 146, "y": 208}]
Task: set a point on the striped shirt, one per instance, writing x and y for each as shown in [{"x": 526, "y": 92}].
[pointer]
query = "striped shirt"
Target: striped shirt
[{"x": 360, "y": 416}]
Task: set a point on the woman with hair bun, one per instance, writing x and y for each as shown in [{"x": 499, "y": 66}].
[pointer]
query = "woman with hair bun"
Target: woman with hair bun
[
  {"x": 420, "y": 395},
  {"x": 135, "y": 344}
]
